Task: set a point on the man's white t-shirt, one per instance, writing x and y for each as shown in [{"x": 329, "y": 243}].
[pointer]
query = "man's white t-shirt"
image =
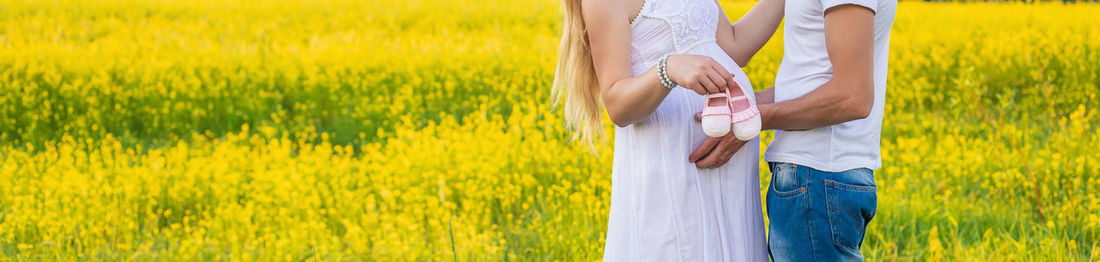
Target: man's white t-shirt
[{"x": 805, "y": 67}]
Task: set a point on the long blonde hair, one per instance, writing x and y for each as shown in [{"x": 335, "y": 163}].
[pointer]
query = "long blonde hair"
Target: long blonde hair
[{"x": 575, "y": 78}]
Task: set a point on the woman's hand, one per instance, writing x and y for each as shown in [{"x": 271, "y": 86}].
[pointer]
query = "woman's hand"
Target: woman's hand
[{"x": 699, "y": 73}]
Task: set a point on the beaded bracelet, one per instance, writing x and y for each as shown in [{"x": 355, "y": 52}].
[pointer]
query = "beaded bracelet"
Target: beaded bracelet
[{"x": 662, "y": 72}]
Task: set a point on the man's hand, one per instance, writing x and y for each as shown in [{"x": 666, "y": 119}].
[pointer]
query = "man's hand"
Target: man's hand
[{"x": 715, "y": 151}]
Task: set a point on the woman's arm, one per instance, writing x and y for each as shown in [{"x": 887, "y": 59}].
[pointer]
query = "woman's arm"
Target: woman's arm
[
  {"x": 631, "y": 99},
  {"x": 743, "y": 39}
]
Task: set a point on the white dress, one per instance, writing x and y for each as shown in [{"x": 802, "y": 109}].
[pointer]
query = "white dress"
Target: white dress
[{"x": 663, "y": 208}]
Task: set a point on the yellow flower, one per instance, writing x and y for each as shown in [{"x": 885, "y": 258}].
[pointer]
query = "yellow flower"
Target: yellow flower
[{"x": 421, "y": 130}]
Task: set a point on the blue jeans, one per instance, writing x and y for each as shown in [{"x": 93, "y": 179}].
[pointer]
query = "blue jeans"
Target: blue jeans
[{"x": 817, "y": 215}]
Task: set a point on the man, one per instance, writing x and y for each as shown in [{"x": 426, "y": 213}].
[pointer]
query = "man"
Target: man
[{"x": 826, "y": 108}]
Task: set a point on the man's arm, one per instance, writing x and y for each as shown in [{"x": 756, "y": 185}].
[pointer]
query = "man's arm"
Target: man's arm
[{"x": 849, "y": 95}]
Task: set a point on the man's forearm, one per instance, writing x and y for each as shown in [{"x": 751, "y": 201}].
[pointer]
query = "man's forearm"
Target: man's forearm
[{"x": 819, "y": 108}]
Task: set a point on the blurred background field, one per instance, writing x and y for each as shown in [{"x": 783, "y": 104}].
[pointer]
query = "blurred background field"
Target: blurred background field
[{"x": 422, "y": 130}]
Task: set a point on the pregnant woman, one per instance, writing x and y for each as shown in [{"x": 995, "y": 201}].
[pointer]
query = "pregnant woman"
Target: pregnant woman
[{"x": 677, "y": 195}]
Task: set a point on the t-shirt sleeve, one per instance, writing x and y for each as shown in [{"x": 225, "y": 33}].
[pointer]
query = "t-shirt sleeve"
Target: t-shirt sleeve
[{"x": 871, "y": 4}]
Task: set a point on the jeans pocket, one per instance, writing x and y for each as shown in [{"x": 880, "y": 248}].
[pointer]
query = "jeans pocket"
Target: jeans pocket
[
  {"x": 787, "y": 180},
  {"x": 851, "y": 208}
]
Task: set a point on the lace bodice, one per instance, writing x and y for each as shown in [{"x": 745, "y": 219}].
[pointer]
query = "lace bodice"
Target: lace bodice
[{"x": 671, "y": 26}]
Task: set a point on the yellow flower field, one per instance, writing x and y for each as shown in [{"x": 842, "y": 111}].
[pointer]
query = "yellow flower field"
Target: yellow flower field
[{"x": 332, "y": 130}]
